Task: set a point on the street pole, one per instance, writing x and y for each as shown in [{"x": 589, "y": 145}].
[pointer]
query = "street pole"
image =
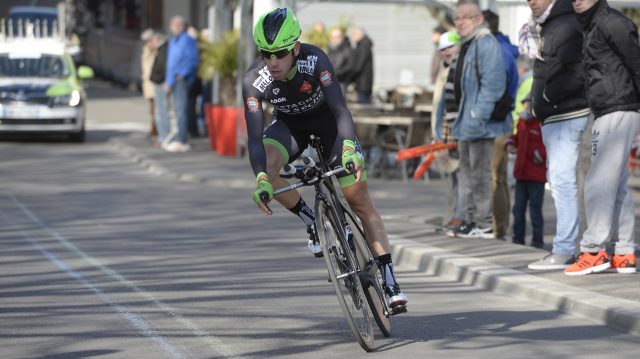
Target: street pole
[
  {"x": 220, "y": 22},
  {"x": 246, "y": 50}
]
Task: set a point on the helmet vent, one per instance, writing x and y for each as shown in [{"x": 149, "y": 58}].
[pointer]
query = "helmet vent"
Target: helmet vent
[{"x": 272, "y": 24}]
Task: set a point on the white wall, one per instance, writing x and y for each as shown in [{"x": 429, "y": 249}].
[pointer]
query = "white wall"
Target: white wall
[
  {"x": 512, "y": 17},
  {"x": 173, "y": 8},
  {"x": 401, "y": 35}
]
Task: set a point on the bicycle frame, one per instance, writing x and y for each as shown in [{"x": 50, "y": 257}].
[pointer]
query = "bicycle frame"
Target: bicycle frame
[{"x": 319, "y": 175}]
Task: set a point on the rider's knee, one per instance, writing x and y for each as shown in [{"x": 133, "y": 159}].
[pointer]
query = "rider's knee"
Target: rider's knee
[{"x": 358, "y": 198}]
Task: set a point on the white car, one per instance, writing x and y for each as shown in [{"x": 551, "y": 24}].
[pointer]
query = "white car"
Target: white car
[{"x": 40, "y": 88}]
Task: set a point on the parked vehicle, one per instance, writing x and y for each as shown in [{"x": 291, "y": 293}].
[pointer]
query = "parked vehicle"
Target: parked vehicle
[{"x": 41, "y": 89}]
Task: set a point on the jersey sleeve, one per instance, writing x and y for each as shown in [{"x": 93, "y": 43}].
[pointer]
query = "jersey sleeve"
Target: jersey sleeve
[
  {"x": 334, "y": 97},
  {"x": 254, "y": 117}
]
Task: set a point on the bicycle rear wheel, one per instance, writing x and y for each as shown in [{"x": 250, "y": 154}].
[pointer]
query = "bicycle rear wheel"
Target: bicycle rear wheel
[
  {"x": 374, "y": 295},
  {"x": 341, "y": 264}
]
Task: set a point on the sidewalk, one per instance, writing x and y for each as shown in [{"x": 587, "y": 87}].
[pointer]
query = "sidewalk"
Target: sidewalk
[{"x": 410, "y": 212}]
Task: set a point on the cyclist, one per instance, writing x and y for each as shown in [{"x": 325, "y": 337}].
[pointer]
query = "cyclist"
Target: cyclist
[{"x": 299, "y": 81}]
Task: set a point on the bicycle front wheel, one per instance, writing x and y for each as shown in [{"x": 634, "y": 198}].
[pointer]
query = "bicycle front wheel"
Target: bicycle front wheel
[
  {"x": 373, "y": 292},
  {"x": 343, "y": 272}
]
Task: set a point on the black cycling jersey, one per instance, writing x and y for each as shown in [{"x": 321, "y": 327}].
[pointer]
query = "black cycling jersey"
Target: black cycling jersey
[{"x": 309, "y": 99}]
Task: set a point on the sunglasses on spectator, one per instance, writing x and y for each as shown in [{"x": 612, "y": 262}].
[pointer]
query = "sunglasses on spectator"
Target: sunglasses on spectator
[{"x": 278, "y": 54}]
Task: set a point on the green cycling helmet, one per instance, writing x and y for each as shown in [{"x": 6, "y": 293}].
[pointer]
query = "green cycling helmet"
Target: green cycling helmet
[{"x": 277, "y": 30}]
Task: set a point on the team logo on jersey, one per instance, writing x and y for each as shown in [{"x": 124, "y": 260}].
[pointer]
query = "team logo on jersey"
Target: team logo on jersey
[
  {"x": 325, "y": 78},
  {"x": 263, "y": 80},
  {"x": 309, "y": 65},
  {"x": 306, "y": 87},
  {"x": 253, "y": 104},
  {"x": 278, "y": 100},
  {"x": 276, "y": 91}
]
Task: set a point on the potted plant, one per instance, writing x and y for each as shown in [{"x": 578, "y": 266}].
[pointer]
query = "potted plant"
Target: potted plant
[{"x": 221, "y": 58}]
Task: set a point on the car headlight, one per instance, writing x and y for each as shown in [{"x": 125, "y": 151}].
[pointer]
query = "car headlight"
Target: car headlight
[{"x": 73, "y": 99}]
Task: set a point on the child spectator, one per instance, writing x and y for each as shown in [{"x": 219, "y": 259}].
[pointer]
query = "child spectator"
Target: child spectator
[{"x": 530, "y": 172}]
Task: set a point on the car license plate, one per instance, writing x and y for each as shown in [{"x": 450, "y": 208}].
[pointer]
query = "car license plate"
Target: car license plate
[{"x": 20, "y": 112}]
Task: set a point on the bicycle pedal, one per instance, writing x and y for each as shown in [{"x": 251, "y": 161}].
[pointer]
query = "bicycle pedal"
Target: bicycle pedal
[{"x": 398, "y": 309}]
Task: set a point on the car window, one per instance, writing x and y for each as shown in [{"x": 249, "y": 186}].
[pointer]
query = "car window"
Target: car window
[{"x": 42, "y": 66}]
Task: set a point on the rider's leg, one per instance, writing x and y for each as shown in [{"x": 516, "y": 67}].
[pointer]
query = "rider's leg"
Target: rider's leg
[
  {"x": 291, "y": 200},
  {"x": 360, "y": 201},
  {"x": 358, "y": 197},
  {"x": 275, "y": 162}
]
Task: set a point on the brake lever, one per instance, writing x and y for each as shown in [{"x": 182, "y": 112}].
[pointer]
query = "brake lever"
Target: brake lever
[{"x": 264, "y": 197}]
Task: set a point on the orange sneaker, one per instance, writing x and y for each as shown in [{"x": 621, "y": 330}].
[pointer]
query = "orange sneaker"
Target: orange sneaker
[
  {"x": 589, "y": 263},
  {"x": 623, "y": 263}
]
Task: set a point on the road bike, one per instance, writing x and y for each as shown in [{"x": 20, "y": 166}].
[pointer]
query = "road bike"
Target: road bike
[{"x": 353, "y": 271}]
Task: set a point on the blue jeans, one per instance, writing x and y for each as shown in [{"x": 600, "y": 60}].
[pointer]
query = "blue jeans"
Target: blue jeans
[
  {"x": 180, "y": 92},
  {"x": 562, "y": 140},
  {"x": 532, "y": 192},
  {"x": 161, "y": 100}
]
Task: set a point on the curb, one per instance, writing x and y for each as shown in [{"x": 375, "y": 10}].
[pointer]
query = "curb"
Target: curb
[
  {"x": 620, "y": 314},
  {"x": 617, "y": 313},
  {"x": 154, "y": 167}
]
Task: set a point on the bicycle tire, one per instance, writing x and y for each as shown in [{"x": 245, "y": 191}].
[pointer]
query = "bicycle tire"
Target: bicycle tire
[
  {"x": 374, "y": 297},
  {"x": 340, "y": 260}
]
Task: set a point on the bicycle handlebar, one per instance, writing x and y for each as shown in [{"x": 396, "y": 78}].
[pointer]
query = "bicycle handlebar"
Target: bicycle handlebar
[{"x": 311, "y": 181}]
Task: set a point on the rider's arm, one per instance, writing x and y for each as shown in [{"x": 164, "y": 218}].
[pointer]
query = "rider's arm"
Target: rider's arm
[
  {"x": 334, "y": 97},
  {"x": 252, "y": 99}
]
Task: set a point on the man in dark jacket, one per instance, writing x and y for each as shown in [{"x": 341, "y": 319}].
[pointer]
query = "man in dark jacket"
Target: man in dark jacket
[
  {"x": 612, "y": 71},
  {"x": 553, "y": 38},
  {"x": 362, "y": 74},
  {"x": 341, "y": 56}
]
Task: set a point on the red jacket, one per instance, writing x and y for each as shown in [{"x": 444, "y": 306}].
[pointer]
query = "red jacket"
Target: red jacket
[{"x": 531, "y": 155}]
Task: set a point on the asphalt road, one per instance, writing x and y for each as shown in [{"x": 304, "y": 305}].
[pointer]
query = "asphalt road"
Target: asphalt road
[{"x": 101, "y": 259}]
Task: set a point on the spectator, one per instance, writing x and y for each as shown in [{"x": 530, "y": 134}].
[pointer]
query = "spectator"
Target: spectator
[
  {"x": 530, "y": 172},
  {"x": 525, "y": 81},
  {"x": 612, "y": 68},
  {"x": 500, "y": 199},
  {"x": 479, "y": 75},
  {"x": 436, "y": 60},
  {"x": 149, "y": 51},
  {"x": 182, "y": 64},
  {"x": 195, "y": 90},
  {"x": 362, "y": 69},
  {"x": 559, "y": 102},
  {"x": 446, "y": 111},
  {"x": 341, "y": 56},
  {"x": 163, "y": 105}
]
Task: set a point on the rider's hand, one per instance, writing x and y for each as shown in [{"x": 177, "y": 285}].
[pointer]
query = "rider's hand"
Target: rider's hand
[
  {"x": 263, "y": 186},
  {"x": 349, "y": 154}
]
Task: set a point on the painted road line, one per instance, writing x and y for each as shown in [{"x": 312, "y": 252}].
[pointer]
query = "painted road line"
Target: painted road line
[
  {"x": 213, "y": 342},
  {"x": 137, "y": 321}
]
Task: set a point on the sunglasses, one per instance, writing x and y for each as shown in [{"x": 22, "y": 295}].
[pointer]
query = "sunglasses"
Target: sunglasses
[{"x": 278, "y": 54}]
